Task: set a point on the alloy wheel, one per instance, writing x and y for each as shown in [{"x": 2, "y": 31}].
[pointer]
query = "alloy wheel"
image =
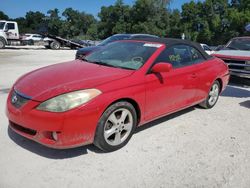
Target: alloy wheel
[
  {"x": 213, "y": 94},
  {"x": 118, "y": 126}
]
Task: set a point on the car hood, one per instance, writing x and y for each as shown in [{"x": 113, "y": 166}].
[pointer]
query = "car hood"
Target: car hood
[
  {"x": 86, "y": 50},
  {"x": 235, "y": 54},
  {"x": 54, "y": 80}
]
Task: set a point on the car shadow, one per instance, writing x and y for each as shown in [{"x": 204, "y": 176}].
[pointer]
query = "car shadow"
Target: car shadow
[
  {"x": 164, "y": 119},
  {"x": 51, "y": 153},
  {"x": 235, "y": 91},
  {"x": 245, "y": 104},
  {"x": 237, "y": 81}
]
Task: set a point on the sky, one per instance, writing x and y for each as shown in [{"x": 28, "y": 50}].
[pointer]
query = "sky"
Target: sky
[{"x": 18, "y": 8}]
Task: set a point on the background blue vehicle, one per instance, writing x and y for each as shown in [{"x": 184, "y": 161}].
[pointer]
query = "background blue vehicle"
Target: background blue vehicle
[{"x": 82, "y": 52}]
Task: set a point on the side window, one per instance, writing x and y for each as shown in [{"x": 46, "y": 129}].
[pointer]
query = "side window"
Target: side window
[
  {"x": 196, "y": 55},
  {"x": 180, "y": 56},
  {"x": 10, "y": 26}
]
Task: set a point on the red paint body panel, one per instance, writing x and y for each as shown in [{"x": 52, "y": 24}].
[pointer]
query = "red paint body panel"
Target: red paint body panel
[
  {"x": 64, "y": 77},
  {"x": 155, "y": 94}
]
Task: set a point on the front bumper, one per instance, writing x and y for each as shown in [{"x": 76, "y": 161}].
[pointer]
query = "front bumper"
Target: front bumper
[{"x": 56, "y": 130}]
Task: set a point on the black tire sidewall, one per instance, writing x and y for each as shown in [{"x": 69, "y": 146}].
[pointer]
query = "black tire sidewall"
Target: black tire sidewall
[
  {"x": 3, "y": 43},
  {"x": 55, "y": 43},
  {"x": 99, "y": 140}
]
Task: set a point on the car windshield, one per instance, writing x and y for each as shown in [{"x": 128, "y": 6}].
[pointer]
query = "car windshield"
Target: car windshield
[
  {"x": 112, "y": 39},
  {"x": 2, "y": 25},
  {"x": 239, "y": 44},
  {"x": 125, "y": 55}
]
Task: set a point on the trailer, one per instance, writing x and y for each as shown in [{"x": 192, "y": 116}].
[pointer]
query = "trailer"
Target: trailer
[{"x": 55, "y": 42}]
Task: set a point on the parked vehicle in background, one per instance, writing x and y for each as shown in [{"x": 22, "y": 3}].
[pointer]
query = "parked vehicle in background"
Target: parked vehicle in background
[
  {"x": 86, "y": 43},
  {"x": 207, "y": 49},
  {"x": 236, "y": 53},
  {"x": 33, "y": 37},
  {"x": 103, "y": 98},
  {"x": 82, "y": 52}
]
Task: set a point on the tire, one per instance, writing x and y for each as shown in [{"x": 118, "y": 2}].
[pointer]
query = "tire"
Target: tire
[
  {"x": 213, "y": 96},
  {"x": 2, "y": 43},
  {"x": 114, "y": 131},
  {"x": 55, "y": 45},
  {"x": 47, "y": 47}
]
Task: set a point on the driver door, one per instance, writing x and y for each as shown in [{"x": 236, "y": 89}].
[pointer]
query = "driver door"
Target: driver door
[
  {"x": 12, "y": 31},
  {"x": 170, "y": 91}
]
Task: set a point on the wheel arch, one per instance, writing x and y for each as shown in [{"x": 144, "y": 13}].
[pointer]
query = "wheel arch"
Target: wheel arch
[
  {"x": 4, "y": 39},
  {"x": 221, "y": 83},
  {"x": 131, "y": 101}
]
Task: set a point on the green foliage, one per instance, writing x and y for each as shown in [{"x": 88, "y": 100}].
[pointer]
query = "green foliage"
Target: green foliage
[
  {"x": 3, "y": 16},
  {"x": 55, "y": 23},
  {"x": 210, "y": 21}
]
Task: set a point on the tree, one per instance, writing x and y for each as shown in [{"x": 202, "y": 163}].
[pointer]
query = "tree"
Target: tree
[
  {"x": 34, "y": 20},
  {"x": 114, "y": 19},
  {"x": 76, "y": 23},
  {"x": 3, "y": 16},
  {"x": 54, "y": 22}
]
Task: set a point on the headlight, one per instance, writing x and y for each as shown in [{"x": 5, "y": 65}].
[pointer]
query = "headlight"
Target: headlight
[{"x": 68, "y": 101}]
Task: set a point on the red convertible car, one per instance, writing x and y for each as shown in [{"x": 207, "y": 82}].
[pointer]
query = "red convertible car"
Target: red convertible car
[{"x": 104, "y": 97}]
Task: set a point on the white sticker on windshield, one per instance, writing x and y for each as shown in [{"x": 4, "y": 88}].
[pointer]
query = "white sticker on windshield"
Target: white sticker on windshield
[{"x": 153, "y": 45}]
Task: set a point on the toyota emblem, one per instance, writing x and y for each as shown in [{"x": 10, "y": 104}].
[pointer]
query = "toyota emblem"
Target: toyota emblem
[{"x": 14, "y": 99}]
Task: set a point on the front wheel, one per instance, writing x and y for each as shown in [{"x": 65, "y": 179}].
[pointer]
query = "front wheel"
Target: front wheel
[
  {"x": 116, "y": 126},
  {"x": 213, "y": 96}
]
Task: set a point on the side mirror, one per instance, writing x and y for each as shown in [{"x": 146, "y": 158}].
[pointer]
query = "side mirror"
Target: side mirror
[
  {"x": 162, "y": 67},
  {"x": 6, "y": 29}
]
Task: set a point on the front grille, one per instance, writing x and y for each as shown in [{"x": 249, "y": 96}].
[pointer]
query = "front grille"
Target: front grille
[
  {"x": 22, "y": 129},
  {"x": 238, "y": 66},
  {"x": 18, "y": 100},
  {"x": 234, "y": 61},
  {"x": 234, "y": 64}
]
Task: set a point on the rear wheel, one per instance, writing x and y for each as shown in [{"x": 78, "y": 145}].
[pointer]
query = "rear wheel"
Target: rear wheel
[
  {"x": 55, "y": 45},
  {"x": 213, "y": 96},
  {"x": 116, "y": 126},
  {"x": 2, "y": 43}
]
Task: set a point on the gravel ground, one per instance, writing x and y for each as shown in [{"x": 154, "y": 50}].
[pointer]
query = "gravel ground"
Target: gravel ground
[{"x": 191, "y": 148}]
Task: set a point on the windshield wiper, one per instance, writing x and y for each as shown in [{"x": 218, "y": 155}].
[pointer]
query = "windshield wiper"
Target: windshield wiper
[
  {"x": 127, "y": 68},
  {"x": 103, "y": 63},
  {"x": 233, "y": 48},
  {"x": 106, "y": 64}
]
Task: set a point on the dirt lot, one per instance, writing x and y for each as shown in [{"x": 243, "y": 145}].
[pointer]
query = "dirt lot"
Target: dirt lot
[{"x": 192, "y": 148}]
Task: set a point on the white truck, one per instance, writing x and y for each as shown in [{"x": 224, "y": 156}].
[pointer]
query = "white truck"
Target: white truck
[{"x": 9, "y": 35}]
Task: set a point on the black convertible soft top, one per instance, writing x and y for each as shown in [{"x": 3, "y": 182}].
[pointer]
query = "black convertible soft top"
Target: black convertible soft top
[{"x": 173, "y": 41}]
